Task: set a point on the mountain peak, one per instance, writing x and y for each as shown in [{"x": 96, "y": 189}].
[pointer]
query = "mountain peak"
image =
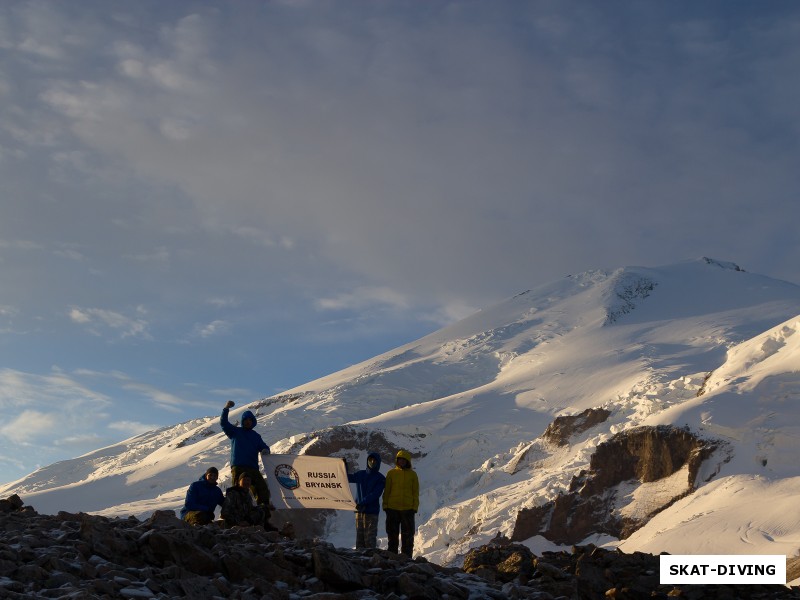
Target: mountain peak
[{"x": 476, "y": 397}]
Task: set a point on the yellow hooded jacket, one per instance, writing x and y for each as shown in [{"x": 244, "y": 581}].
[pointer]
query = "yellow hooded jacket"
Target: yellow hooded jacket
[{"x": 402, "y": 487}]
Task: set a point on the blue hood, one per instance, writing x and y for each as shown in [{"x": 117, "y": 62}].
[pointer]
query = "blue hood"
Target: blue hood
[
  {"x": 377, "y": 467},
  {"x": 249, "y": 415}
]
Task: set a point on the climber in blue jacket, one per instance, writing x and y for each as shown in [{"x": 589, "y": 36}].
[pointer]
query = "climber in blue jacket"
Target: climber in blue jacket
[
  {"x": 202, "y": 498},
  {"x": 369, "y": 487},
  {"x": 246, "y": 445}
]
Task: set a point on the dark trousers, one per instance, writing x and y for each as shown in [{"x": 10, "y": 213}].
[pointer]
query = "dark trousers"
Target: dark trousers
[{"x": 400, "y": 523}]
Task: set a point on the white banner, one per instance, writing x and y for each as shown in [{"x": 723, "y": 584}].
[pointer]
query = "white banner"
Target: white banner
[{"x": 307, "y": 482}]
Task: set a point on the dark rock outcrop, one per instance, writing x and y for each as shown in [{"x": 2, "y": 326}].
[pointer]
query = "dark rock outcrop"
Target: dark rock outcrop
[
  {"x": 588, "y": 572},
  {"x": 629, "y": 290},
  {"x": 640, "y": 455},
  {"x": 81, "y": 556},
  {"x": 348, "y": 441},
  {"x": 563, "y": 428}
]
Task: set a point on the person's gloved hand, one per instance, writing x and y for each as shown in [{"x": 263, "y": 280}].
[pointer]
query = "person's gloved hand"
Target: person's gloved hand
[{"x": 229, "y": 404}]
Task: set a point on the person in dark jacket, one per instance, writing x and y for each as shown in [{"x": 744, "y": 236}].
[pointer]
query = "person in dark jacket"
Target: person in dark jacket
[
  {"x": 202, "y": 498},
  {"x": 239, "y": 507},
  {"x": 246, "y": 445},
  {"x": 369, "y": 487}
]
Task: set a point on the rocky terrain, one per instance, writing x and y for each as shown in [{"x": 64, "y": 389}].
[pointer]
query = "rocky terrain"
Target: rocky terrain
[{"x": 81, "y": 556}]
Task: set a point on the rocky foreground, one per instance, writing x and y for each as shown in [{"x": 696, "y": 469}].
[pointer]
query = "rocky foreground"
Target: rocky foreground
[{"x": 84, "y": 556}]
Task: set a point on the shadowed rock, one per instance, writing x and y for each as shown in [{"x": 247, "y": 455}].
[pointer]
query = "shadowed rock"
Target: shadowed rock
[{"x": 85, "y": 556}]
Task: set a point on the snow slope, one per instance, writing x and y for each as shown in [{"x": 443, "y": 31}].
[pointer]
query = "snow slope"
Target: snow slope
[{"x": 476, "y": 396}]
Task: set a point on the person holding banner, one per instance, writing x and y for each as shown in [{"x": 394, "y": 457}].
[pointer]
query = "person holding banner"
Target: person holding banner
[
  {"x": 401, "y": 502},
  {"x": 246, "y": 445},
  {"x": 369, "y": 487}
]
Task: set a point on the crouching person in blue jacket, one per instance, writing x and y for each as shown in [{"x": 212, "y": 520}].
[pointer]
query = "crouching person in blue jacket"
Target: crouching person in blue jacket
[
  {"x": 369, "y": 487},
  {"x": 202, "y": 498}
]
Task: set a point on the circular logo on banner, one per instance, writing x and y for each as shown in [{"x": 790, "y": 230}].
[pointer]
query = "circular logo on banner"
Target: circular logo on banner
[{"x": 287, "y": 477}]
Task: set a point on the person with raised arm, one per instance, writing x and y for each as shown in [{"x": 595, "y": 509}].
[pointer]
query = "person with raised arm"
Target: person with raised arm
[{"x": 246, "y": 445}]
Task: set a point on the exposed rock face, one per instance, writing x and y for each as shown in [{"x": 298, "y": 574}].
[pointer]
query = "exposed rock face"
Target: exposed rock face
[
  {"x": 633, "y": 457},
  {"x": 348, "y": 441},
  {"x": 82, "y": 556},
  {"x": 629, "y": 290},
  {"x": 563, "y": 428}
]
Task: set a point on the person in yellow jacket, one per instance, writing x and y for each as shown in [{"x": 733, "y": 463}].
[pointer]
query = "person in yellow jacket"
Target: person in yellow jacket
[{"x": 401, "y": 502}]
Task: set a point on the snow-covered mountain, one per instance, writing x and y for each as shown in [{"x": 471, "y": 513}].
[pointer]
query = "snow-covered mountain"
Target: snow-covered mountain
[{"x": 701, "y": 351}]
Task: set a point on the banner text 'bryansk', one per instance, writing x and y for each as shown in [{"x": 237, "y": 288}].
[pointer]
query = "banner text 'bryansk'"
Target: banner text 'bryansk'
[{"x": 322, "y": 484}]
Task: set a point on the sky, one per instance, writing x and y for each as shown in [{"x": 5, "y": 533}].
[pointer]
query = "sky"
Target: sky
[{"x": 204, "y": 201}]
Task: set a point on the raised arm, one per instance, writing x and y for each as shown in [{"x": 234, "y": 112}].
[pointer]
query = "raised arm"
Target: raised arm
[{"x": 223, "y": 420}]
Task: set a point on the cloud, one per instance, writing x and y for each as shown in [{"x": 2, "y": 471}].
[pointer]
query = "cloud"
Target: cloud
[
  {"x": 464, "y": 161},
  {"x": 213, "y": 328},
  {"x": 466, "y": 148},
  {"x": 223, "y": 302},
  {"x": 29, "y": 425},
  {"x": 20, "y": 389},
  {"x": 98, "y": 318},
  {"x": 233, "y": 392},
  {"x": 79, "y": 442},
  {"x": 260, "y": 237},
  {"x": 8, "y": 311},
  {"x": 449, "y": 313},
  {"x": 159, "y": 255},
  {"x": 162, "y": 399},
  {"x": 39, "y": 409},
  {"x": 132, "y": 427},
  {"x": 21, "y": 244},
  {"x": 363, "y": 298},
  {"x": 69, "y": 253},
  {"x": 328, "y": 176}
]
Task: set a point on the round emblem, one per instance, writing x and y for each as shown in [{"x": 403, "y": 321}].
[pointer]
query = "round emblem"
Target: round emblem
[{"x": 287, "y": 477}]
